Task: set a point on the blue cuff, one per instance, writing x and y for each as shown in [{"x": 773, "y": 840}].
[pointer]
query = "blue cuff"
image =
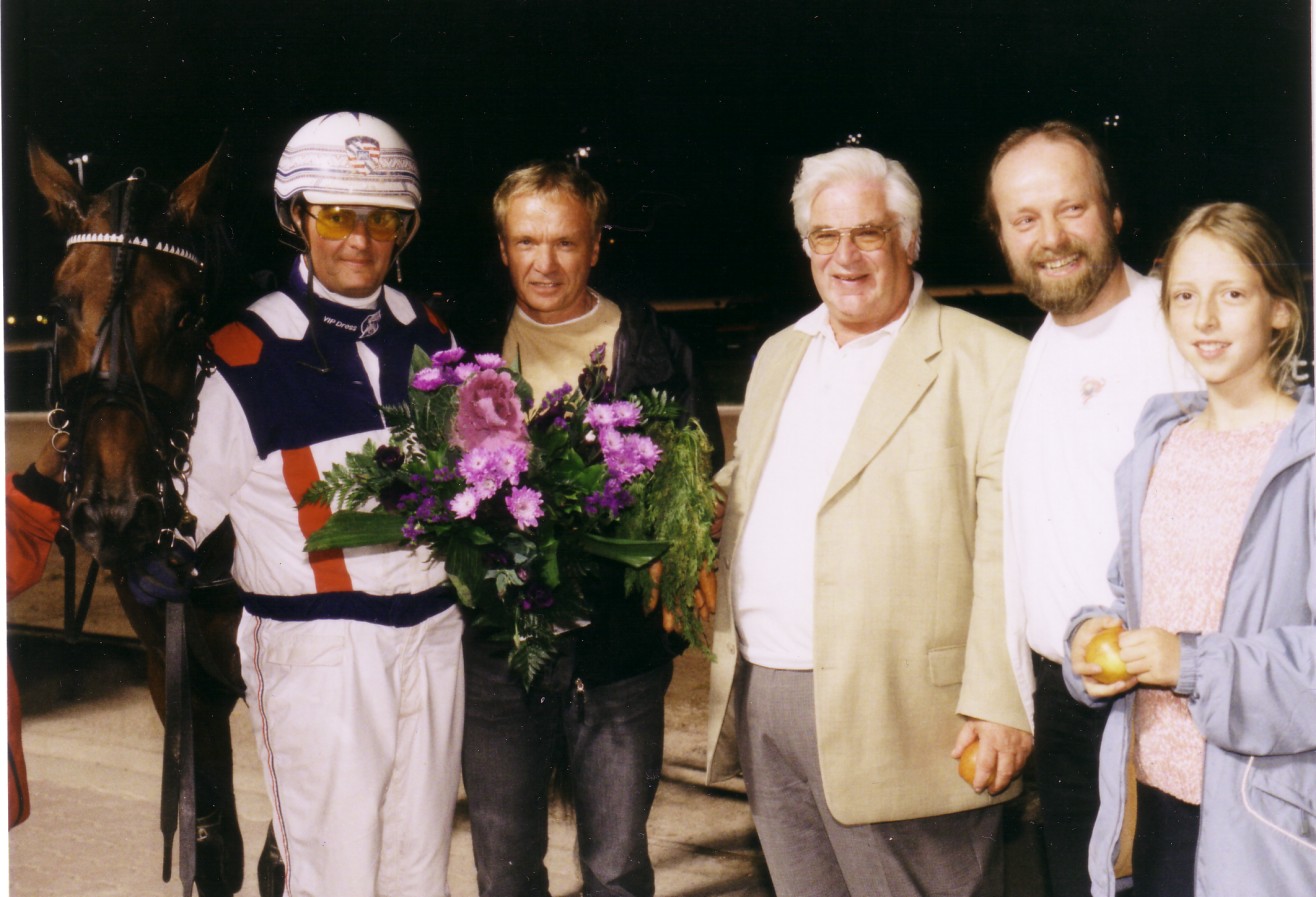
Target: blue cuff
[{"x": 1187, "y": 684}]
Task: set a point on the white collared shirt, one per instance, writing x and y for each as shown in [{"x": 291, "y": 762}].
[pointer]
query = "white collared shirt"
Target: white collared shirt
[{"x": 774, "y": 565}]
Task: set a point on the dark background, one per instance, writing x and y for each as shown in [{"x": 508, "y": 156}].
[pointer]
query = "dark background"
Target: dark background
[{"x": 696, "y": 116}]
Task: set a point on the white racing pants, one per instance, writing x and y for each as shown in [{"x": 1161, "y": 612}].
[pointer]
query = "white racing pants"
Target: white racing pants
[{"x": 359, "y": 729}]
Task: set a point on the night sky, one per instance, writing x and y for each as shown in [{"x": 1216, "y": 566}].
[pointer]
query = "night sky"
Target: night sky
[{"x": 696, "y": 115}]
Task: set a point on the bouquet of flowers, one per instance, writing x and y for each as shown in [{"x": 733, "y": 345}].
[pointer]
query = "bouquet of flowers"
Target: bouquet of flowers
[{"x": 521, "y": 502}]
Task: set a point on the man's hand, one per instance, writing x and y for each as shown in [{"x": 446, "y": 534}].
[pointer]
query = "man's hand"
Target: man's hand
[
  {"x": 1078, "y": 647},
  {"x": 163, "y": 575},
  {"x": 1002, "y": 752},
  {"x": 1152, "y": 656},
  {"x": 719, "y": 511}
]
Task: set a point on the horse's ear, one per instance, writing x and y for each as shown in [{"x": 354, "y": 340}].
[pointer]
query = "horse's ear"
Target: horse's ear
[
  {"x": 197, "y": 198},
  {"x": 67, "y": 203}
]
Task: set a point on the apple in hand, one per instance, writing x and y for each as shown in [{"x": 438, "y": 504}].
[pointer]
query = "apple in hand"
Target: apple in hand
[
  {"x": 1104, "y": 651},
  {"x": 969, "y": 763}
]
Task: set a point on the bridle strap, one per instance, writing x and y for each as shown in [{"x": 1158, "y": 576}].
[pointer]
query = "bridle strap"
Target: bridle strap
[{"x": 137, "y": 243}]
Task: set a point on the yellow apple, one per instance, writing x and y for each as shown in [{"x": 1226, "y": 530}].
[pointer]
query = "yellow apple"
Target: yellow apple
[
  {"x": 969, "y": 763},
  {"x": 1104, "y": 651}
]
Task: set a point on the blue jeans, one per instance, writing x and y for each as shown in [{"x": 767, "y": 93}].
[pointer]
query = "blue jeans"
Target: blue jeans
[{"x": 612, "y": 737}]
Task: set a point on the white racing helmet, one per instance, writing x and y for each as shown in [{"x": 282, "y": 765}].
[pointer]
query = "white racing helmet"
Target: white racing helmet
[{"x": 348, "y": 158}]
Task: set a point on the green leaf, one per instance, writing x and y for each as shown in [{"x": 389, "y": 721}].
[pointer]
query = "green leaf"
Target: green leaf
[
  {"x": 631, "y": 552},
  {"x": 354, "y": 529},
  {"x": 420, "y": 359},
  {"x": 464, "y": 567}
]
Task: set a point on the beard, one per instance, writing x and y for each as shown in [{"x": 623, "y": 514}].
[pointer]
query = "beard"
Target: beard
[{"x": 1069, "y": 295}]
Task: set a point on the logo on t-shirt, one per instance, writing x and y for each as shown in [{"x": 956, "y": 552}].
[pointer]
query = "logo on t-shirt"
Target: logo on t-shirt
[{"x": 1090, "y": 387}]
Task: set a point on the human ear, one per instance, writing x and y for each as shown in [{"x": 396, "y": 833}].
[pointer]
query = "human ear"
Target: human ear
[{"x": 1281, "y": 313}]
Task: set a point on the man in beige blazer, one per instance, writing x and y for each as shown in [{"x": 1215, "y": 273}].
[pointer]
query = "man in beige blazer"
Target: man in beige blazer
[{"x": 861, "y": 646}]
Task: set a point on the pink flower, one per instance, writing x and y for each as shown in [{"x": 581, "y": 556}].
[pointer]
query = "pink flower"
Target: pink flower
[
  {"x": 463, "y": 504},
  {"x": 488, "y": 412},
  {"x": 526, "y": 506},
  {"x": 465, "y": 371},
  {"x": 489, "y": 360}
]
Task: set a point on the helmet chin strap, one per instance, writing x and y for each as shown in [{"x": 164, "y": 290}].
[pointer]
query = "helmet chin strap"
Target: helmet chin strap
[{"x": 308, "y": 303}]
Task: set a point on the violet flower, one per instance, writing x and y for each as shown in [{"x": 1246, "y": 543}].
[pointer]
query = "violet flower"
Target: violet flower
[
  {"x": 429, "y": 379},
  {"x": 464, "y": 504},
  {"x": 447, "y": 356},
  {"x": 526, "y": 506}
]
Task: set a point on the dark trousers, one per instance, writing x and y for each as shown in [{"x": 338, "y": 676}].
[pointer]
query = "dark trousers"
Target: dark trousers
[
  {"x": 613, "y": 740},
  {"x": 1165, "y": 845},
  {"x": 1066, "y": 744}
]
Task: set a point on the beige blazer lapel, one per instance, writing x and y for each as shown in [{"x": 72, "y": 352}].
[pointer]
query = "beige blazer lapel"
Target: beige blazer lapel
[
  {"x": 904, "y": 377},
  {"x": 775, "y": 382}
]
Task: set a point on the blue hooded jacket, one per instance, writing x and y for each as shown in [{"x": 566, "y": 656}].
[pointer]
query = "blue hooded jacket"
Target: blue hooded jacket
[{"x": 1251, "y": 687}]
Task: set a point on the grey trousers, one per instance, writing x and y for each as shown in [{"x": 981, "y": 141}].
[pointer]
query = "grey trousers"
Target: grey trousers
[{"x": 809, "y": 853}]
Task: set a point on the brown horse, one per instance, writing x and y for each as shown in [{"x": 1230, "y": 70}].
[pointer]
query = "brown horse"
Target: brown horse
[{"x": 129, "y": 305}]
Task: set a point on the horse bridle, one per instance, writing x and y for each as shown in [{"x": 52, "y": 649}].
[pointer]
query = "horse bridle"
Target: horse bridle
[{"x": 112, "y": 378}]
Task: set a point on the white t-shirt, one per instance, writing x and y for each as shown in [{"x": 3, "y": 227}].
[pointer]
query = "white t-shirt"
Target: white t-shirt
[
  {"x": 1082, "y": 390},
  {"x": 774, "y": 565}
]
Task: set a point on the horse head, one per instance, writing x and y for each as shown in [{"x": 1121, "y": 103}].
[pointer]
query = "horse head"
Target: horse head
[{"x": 128, "y": 304}]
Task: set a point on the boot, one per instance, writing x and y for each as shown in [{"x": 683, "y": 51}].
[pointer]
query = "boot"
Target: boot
[
  {"x": 269, "y": 868},
  {"x": 212, "y": 879}
]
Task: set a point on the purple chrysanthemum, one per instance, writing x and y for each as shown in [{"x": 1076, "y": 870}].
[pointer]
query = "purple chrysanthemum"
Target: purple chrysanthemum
[
  {"x": 464, "y": 504},
  {"x": 428, "y": 379},
  {"x": 526, "y": 506},
  {"x": 613, "y": 414},
  {"x": 489, "y": 360},
  {"x": 447, "y": 356},
  {"x": 627, "y": 456}
]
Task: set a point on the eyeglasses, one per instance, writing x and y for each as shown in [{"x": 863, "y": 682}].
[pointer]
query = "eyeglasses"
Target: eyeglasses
[
  {"x": 339, "y": 222},
  {"x": 866, "y": 237}
]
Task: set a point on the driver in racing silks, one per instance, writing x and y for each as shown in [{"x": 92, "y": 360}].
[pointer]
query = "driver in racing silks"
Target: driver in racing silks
[{"x": 351, "y": 658}]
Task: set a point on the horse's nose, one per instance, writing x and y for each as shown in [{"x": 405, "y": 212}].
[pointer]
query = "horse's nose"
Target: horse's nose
[{"x": 116, "y": 532}]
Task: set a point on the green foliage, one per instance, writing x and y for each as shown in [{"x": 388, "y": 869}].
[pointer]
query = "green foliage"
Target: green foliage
[
  {"x": 354, "y": 529},
  {"x": 674, "y": 504}
]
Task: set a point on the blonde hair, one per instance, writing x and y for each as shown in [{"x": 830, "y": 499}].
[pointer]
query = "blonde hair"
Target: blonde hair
[
  {"x": 551, "y": 177},
  {"x": 1256, "y": 238}
]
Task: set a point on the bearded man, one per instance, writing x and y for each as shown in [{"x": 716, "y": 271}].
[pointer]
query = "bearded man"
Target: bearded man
[{"x": 1102, "y": 351}]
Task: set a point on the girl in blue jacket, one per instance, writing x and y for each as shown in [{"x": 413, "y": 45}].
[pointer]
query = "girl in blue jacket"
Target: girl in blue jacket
[{"x": 1215, "y": 681}]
